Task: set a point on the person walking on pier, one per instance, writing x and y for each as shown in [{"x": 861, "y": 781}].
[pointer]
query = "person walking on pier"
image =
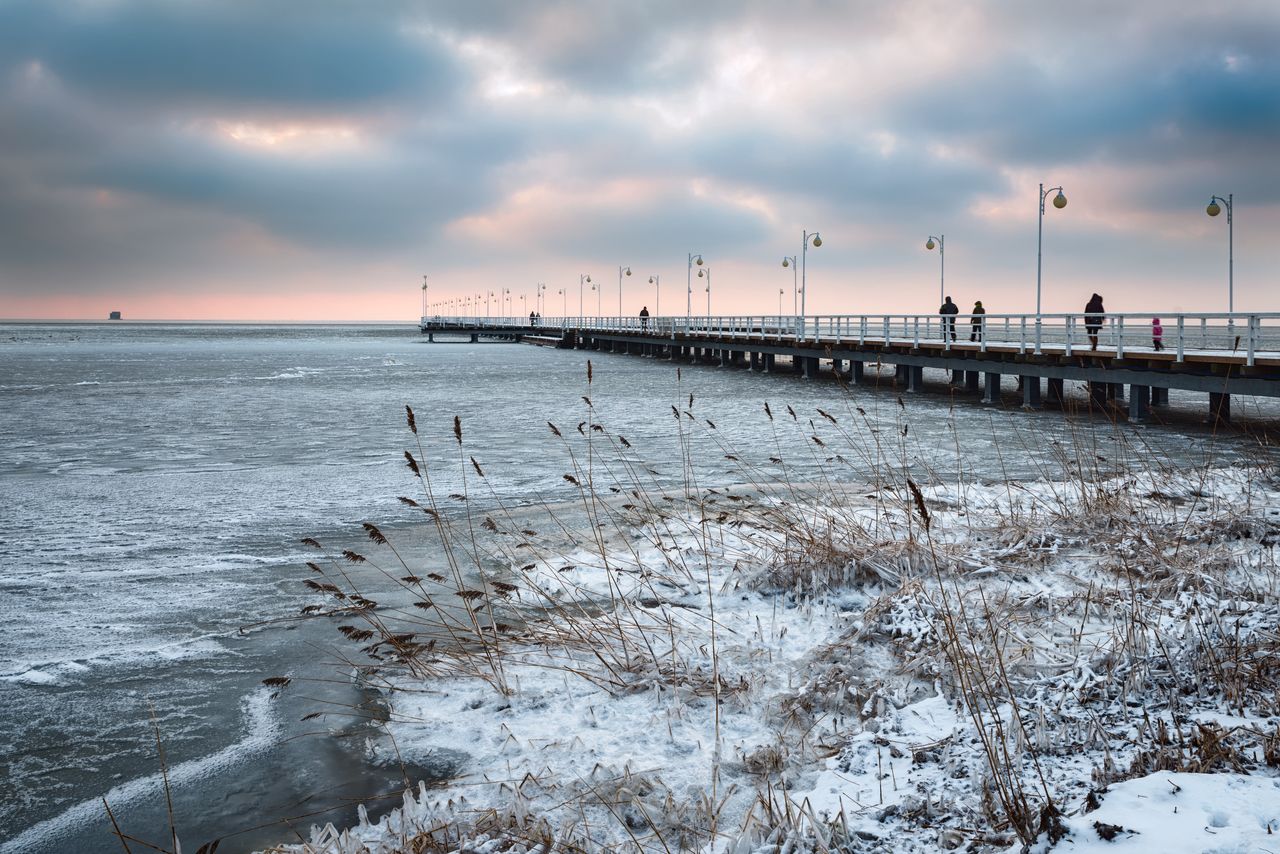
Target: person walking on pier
[
  {"x": 949, "y": 310},
  {"x": 975, "y": 322},
  {"x": 644, "y": 317},
  {"x": 1157, "y": 334},
  {"x": 1093, "y": 315}
]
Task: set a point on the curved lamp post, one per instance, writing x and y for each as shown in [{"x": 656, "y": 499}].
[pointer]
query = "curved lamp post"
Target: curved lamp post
[
  {"x": 1059, "y": 202},
  {"x": 816, "y": 239},
  {"x": 780, "y": 292},
  {"x": 621, "y": 270},
  {"x": 693, "y": 258},
  {"x": 1214, "y": 209},
  {"x": 582, "y": 277},
  {"x": 790, "y": 261},
  {"x": 707, "y": 271},
  {"x": 424, "y": 295},
  {"x": 941, "y": 244},
  {"x": 656, "y": 281},
  {"x": 564, "y": 305},
  {"x": 598, "y": 291}
]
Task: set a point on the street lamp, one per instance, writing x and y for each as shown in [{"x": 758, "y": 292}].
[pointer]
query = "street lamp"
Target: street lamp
[
  {"x": 540, "y": 297},
  {"x": 781, "y": 291},
  {"x": 816, "y": 240},
  {"x": 424, "y": 295},
  {"x": 599, "y": 293},
  {"x": 941, "y": 244},
  {"x": 655, "y": 280},
  {"x": 707, "y": 270},
  {"x": 1213, "y": 210},
  {"x": 1059, "y": 202},
  {"x": 564, "y": 305},
  {"x": 688, "y": 311},
  {"x": 621, "y": 270},
  {"x": 790, "y": 261},
  {"x": 582, "y": 277},
  {"x": 506, "y": 300}
]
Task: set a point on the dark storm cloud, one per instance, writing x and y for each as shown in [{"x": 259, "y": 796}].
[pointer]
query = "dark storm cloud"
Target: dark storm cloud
[{"x": 289, "y": 55}]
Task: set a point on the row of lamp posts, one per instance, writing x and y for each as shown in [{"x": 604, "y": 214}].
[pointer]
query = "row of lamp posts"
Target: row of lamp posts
[{"x": 815, "y": 240}]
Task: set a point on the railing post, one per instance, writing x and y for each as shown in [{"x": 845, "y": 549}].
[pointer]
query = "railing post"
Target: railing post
[
  {"x": 1118, "y": 330},
  {"x": 1039, "y": 335},
  {"x": 886, "y": 329},
  {"x": 862, "y": 329},
  {"x": 915, "y": 343},
  {"x": 1253, "y": 327},
  {"x": 1070, "y": 331},
  {"x": 1182, "y": 338},
  {"x": 1204, "y": 333},
  {"x": 1022, "y": 336}
]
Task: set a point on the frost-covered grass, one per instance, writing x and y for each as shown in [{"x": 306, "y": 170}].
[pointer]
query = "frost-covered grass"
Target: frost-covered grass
[{"x": 892, "y": 659}]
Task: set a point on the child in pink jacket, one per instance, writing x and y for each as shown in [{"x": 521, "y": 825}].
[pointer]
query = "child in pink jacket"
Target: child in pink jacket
[{"x": 1157, "y": 334}]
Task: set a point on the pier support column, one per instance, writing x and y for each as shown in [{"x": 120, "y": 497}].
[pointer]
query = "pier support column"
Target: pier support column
[
  {"x": 753, "y": 363},
  {"x": 809, "y": 367},
  {"x": 1057, "y": 394},
  {"x": 991, "y": 389},
  {"x": 915, "y": 378},
  {"x": 475, "y": 337},
  {"x": 856, "y": 374},
  {"x": 970, "y": 380},
  {"x": 837, "y": 365},
  {"x": 957, "y": 377},
  {"x": 1116, "y": 392},
  {"x": 1030, "y": 392},
  {"x": 724, "y": 358},
  {"x": 1159, "y": 396},
  {"x": 769, "y": 360},
  {"x": 431, "y": 336},
  {"x": 1139, "y": 398},
  {"x": 1098, "y": 394},
  {"x": 1219, "y": 408}
]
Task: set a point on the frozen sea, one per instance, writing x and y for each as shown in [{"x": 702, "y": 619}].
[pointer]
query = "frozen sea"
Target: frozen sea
[{"x": 155, "y": 481}]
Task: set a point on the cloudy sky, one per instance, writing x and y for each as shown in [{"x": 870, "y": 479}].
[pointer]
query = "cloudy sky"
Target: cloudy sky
[{"x": 306, "y": 159}]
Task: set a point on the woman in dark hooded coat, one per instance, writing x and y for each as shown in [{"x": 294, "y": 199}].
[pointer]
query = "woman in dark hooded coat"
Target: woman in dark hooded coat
[{"x": 1093, "y": 315}]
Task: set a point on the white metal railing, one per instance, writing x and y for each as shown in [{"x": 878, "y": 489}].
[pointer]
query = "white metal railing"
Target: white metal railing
[{"x": 1248, "y": 336}]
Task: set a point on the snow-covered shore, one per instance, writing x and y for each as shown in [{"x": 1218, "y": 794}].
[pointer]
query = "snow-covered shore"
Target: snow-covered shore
[{"x": 1080, "y": 664}]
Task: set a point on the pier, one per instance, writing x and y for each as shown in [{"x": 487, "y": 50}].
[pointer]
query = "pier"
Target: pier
[{"x": 1217, "y": 355}]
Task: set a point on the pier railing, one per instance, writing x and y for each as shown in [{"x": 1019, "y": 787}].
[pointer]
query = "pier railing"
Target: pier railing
[{"x": 1245, "y": 335}]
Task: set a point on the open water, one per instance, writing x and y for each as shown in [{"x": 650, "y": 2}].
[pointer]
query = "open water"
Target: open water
[{"x": 155, "y": 481}]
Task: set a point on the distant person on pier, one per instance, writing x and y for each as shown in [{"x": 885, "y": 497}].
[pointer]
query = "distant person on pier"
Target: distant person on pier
[
  {"x": 949, "y": 310},
  {"x": 644, "y": 317},
  {"x": 533, "y": 318},
  {"x": 1157, "y": 334},
  {"x": 975, "y": 322},
  {"x": 1093, "y": 315}
]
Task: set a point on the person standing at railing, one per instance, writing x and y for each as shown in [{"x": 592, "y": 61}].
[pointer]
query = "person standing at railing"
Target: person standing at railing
[
  {"x": 644, "y": 317},
  {"x": 976, "y": 320},
  {"x": 533, "y": 318},
  {"x": 1157, "y": 334},
  {"x": 949, "y": 310},
  {"x": 1093, "y": 316}
]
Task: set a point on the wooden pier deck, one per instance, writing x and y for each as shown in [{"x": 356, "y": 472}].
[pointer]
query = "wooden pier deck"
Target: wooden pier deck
[{"x": 1218, "y": 355}]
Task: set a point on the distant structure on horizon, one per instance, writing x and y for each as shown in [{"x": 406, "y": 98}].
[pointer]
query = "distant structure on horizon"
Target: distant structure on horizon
[{"x": 115, "y": 315}]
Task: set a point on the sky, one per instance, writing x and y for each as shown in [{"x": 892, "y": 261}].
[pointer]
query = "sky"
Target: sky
[{"x": 314, "y": 160}]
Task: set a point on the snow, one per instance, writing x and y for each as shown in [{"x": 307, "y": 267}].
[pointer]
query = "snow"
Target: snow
[
  {"x": 1180, "y": 812},
  {"x": 887, "y": 671}
]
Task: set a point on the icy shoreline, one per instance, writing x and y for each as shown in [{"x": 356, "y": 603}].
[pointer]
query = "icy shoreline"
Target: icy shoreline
[{"x": 901, "y": 668}]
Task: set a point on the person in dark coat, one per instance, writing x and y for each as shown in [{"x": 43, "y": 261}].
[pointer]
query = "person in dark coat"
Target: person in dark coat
[
  {"x": 644, "y": 317},
  {"x": 533, "y": 318},
  {"x": 949, "y": 310},
  {"x": 1093, "y": 316},
  {"x": 976, "y": 321}
]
